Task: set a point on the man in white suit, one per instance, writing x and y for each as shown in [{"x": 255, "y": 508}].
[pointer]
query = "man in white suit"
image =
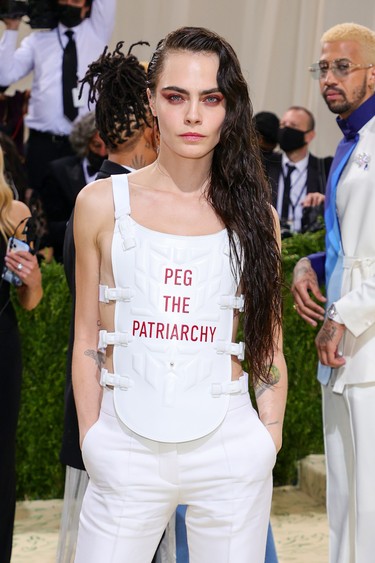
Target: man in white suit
[{"x": 346, "y": 341}]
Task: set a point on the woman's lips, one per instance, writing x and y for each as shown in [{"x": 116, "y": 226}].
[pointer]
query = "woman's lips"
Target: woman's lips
[{"x": 192, "y": 136}]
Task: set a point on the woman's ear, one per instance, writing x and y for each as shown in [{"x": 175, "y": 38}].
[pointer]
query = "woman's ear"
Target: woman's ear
[{"x": 151, "y": 101}]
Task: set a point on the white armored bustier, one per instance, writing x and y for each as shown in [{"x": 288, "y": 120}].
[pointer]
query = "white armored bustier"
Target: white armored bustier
[{"x": 175, "y": 297}]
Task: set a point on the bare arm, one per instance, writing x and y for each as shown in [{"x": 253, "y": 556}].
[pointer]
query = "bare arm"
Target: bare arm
[
  {"x": 271, "y": 397},
  {"x": 87, "y": 362},
  {"x": 305, "y": 282}
]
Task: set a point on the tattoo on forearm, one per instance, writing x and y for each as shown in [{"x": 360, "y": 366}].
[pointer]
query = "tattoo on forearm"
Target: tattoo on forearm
[
  {"x": 98, "y": 357},
  {"x": 272, "y": 423},
  {"x": 274, "y": 379}
]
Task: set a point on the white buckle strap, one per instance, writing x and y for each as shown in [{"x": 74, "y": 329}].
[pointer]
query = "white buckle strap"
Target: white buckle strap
[
  {"x": 232, "y": 302},
  {"x": 113, "y": 339},
  {"x": 107, "y": 294},
  {"x": 239, "y": 386},
  {"x": 124, "y": 382},
  {"x": 126, "y": 229},
  {"x": 232, "y": 348}
]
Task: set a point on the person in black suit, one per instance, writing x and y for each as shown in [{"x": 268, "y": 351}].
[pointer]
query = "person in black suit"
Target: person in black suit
[
  {"x": 117, "y": 84},
  {"x": 65, "y": 177},
  {"x": 297, "y": 177}
]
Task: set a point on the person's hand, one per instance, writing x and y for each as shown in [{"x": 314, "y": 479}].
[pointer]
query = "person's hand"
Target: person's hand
[
  {"x": 305, "y": 283},
  {"x": 12, "y": 23},
  {"x": 313, "y": 199},
  {"x": 327, "y": 342},
  {"x": 25, "y": 265}
]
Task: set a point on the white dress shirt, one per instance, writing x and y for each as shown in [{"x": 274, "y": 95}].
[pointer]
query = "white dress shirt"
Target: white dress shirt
[
  {"x": 298, "y": 190},
  {"x": 42, "y": 52}
]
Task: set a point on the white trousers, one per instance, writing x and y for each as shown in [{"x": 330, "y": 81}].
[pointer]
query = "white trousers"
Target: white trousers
[
  {"x": 136, "y": 484},
  {"x": 349, "y": 434}
]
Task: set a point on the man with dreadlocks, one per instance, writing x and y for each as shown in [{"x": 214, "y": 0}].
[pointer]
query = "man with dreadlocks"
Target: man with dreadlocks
[{"x": 117, "y": 84}]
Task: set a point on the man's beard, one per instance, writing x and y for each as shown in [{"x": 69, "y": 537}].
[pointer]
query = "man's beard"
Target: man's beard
[{"x": 344, "y": 106}]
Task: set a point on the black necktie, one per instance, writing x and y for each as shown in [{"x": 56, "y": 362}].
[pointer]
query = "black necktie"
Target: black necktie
[
  {"x": 286, "y": 195},
  {"x": 69, "y": 76}
]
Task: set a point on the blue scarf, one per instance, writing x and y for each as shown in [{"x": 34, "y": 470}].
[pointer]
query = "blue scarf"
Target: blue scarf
[{"x": 334, "y": 255}]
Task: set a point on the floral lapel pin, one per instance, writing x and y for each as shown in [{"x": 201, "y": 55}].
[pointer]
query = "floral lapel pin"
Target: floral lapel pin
[{"x": 363, "y": 160}]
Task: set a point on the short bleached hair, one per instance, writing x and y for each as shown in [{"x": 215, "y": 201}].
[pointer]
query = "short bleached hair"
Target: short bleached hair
[{"x": 364, "y": 36}]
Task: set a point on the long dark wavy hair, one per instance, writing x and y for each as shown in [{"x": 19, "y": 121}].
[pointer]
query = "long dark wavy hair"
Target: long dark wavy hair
[
  {"x": 239, "y": 194},
  {"x": 117, "y": 84}
]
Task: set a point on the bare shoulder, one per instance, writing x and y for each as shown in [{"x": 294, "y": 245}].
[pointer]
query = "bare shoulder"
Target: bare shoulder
[
  {"x": 17, "y": 213},
  {"x": 19, "y": 209},
  {"x": 275, "y": 214},
  {"x": 95, "y": 200},
  {"x": 93, "y": 209},
  {"x": 276, "y": 221},
  {"x": 95, "y": 192}
]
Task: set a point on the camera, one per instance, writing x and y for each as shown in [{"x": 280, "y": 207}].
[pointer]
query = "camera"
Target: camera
[
  {"x": 42, "y": 13},
  {"x": 13, "y": 8},
  {"x": 14, "y": 245},
  {"x": 285, "y": 230},
  {"x": 312, "y": 219}
]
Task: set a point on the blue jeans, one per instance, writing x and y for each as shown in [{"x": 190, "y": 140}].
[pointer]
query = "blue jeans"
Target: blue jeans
[{"x": 182, "y": 552}]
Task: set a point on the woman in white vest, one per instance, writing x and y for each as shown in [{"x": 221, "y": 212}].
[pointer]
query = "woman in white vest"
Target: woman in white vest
[{"x": 176, "y": 251}]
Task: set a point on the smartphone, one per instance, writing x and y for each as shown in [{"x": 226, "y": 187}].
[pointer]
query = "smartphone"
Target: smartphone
[{"x": 14, "y": 245}]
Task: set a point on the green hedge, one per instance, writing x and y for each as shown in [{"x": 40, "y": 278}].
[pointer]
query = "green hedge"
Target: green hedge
[
  {"x": 44, "y": 333},
  {"x": 303, "y": 424},
  {"x": 44, "y": 341}
]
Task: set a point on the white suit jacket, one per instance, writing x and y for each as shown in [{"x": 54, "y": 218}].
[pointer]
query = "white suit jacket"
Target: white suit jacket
[{"x": 355, "y": 202}]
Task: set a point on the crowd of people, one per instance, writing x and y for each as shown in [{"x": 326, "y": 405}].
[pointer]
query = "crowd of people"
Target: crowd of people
[{"x": 161, "y": 193}]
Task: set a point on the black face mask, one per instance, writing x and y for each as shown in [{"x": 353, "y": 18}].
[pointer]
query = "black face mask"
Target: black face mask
[
  {"x": 95, "y": 161},
  {"x": 291, "y": 139},
  {"x": 70, "y": 16}
]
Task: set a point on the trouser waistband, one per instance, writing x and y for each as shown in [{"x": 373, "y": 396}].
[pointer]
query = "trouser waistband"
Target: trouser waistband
[{"x": 51, "y": 136}]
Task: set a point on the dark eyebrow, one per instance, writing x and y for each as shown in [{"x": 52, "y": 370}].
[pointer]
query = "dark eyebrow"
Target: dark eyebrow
[
  {"x": 183, "y": 91},
  {"x": 341, "y": 60}
]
